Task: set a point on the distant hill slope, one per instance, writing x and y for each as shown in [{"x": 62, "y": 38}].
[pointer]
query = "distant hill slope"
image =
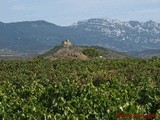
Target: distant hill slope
[
  {"x": 29, "y": 37},
  {"x": 76, "y": 52},
  {"x": 38, "y": 36},
  {"x": 144, "y": 54}
]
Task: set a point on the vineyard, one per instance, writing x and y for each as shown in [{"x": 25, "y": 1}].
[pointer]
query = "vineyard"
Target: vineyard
[{"x": 96, "y": 89}]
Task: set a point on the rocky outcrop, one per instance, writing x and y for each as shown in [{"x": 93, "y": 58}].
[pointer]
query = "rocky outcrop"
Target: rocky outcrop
[{"x": 67, "y": 53}]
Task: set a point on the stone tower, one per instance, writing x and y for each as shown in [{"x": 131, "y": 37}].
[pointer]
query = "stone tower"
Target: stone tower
[{"x": 67, "y": 43}]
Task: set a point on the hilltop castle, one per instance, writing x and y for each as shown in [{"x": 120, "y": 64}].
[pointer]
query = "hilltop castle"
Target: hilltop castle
[{"x": 67, "y": 43}]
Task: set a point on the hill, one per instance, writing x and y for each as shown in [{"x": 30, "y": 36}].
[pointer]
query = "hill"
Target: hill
[
  {"x": 145, "y": 53},
  {"x": 77, "y": 52}
]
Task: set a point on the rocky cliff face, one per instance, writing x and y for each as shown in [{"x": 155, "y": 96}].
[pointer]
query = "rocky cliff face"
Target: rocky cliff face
[{"x": 123, "y": 36}]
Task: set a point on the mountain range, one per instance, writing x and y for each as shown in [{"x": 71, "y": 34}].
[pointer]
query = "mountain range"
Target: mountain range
[{"x": 33, "y": 37}]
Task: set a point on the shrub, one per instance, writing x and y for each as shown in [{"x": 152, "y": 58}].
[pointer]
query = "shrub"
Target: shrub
[{"x": 91, "y": 52}]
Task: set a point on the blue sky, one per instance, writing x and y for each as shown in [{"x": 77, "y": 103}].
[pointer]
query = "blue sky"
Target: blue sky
[{"x": 66, "y": 12}]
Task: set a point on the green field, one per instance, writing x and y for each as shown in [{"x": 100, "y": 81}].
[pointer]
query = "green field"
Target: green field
[{"x": 80, "y": 90}]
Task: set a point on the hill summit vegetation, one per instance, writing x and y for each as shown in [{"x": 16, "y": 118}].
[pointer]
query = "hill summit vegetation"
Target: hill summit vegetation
[{"x": 91, "y": 52}]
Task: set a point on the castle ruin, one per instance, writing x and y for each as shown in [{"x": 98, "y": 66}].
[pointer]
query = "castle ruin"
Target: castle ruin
[{"x": 67, "y": 43}]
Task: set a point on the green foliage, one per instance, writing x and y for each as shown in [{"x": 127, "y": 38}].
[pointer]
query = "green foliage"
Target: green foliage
[
  {"x": 91, "y": 52},
  {"x": 79, "y": 90}
]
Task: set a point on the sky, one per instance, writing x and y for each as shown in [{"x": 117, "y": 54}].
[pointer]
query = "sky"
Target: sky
[{"x": 67, "y": 12}]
